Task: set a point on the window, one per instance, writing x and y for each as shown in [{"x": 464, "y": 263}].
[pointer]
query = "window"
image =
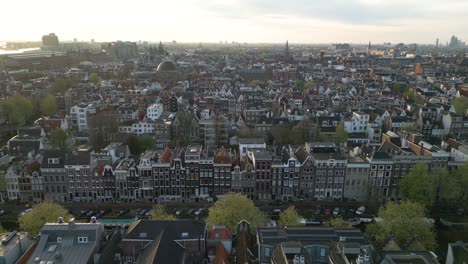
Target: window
[
  {"x": 59, "y": 239},
  {"x": 267, "y": 252},
  {"x": 82, "y": 239}
]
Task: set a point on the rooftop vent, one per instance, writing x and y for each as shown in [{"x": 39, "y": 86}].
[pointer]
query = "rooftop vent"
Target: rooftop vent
[
  {"x": 60, "y": 220},
  {"x": 9, "y": 237},
  {"x": 93, "y": 220}
]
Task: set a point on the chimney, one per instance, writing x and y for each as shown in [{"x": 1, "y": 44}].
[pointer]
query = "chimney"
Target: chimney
[{"x": 71, "y": 222}]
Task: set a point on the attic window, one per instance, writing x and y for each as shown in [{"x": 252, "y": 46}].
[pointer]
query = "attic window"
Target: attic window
[
  {"x": 53, "y": 161},
  {"x": 52, "y": 248},
  {"x": 184, "y": 235}
]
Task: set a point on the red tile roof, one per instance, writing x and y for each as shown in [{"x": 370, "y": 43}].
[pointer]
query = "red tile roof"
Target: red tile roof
[
  {"x": 166, "y": 155},
  {"x": 222, "y": 256}
]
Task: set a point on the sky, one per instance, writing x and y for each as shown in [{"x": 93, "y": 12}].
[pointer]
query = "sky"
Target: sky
[{"x": 261, "y": 21}]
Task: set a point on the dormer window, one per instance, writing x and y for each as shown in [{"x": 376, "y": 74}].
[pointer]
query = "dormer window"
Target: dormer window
[{"x": 82, "y": 239}]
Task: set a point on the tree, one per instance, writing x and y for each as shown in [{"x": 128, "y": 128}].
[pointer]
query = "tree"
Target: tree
[
  {"x": 93, "y": 77},
  {"x": 44, "y": 212},
  {"x": 340, "y": 134},
  {"x": 254, "y": 83},
  {"x": 61, "y": 85},
  {"x": 247, "y": 132},
  {"x": 419, "y": 186},
  {"x": 231, "y": 209},
  {"x": 281, "y": 133},
  {"x": 159, "y": 213},
  {"x": 17, "y": 109},
  {"x": 2, "y": 230},
  {"x": 339, "y": 222},
  {"x": 403, "y": 221},
  {"x": 134, "y": 144},
  {"x": 146, "y": 142},
  {"x": 461, "y": 176},
  {"x": 310, "y": 84},
  {"x": 48, "y": 105},
  {"x": 450, "y": 186},
  {"x": 301, "y": 133},
  {"x": 59, "y": 138},
  {"x": 289, "y": 217},
  {"x": 300, "y": 84},
  {"x": 104, "y": 127},
  {"x": 460, "y": 104}
]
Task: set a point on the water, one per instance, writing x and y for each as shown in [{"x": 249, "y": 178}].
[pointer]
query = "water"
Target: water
[{"x": 4, "y": 52}]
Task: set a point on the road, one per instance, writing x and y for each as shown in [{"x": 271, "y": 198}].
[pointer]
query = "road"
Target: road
[{"x": 303, "y": 207}]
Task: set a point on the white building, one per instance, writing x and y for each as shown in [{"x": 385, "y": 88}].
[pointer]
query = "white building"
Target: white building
[
  {"x": 11, "y": 178},
  {"x": 139, "y": 128},
  {"x": 80, "y": 115},
  {"x": 154, "y": 111},
  {"x": 358, "y": 123},
  {"x": 250, "y": 143}
]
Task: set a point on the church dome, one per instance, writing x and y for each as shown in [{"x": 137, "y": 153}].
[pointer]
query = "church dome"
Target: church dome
[{"x": 166, "y": 66}]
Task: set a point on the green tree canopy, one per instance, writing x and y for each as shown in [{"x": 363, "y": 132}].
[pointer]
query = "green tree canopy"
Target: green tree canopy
[
  {"x": 303, "y": 132},
  {"x": 61, "y": 85},
  {"x": 248, "y": 132},
  {"x": 460, "y": 104},
  {"x": 289, "y": 217},
  {"x": 44, "y": 212},
  {"x": 340, "y": 134},
  {"x": 159, "y": 213},
  {"x": 48, "y": 105},
  {"x": 419, "y": 186},
  {"x": 450, "y": 186},
  {"x": 233, "y": 208},
  {"x": 94, "y": 77},
  {"x": 256, "y": 82},
  {"x": 403, "y": 221},
  {"x": 17, "y": 109},
  {"x": 59, "y": 139}
]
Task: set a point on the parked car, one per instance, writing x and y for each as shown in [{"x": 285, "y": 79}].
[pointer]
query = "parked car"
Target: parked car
[
  {"x": 361, "y": 210},
  {"x": 277, "y": 211},
  {"x": 191, "y": 211},
  {"x": 354, "y": 221},
  {"x": 123, "y": 211},
  {"x": 178, "y": 212},
  {"x": 460, "y": 211},
  {"x": 317, "y": 210},
  {"x": 336, "y": 211},
  {"x": 272, "y": 223},
  {"x": 327, "y": 211},
  {"x": 199, "y": 211},
  {"x": 84, "y": 212},
  {"x": 3, "y": 212},
  {"x": 90, "y": 213}
]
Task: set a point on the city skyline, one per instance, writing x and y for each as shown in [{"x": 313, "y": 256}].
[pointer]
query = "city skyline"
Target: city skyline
[{"x": 255, "y": 21}]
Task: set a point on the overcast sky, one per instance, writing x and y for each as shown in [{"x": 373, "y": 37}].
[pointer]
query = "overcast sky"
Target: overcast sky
[{"x": 299, "y": 21}]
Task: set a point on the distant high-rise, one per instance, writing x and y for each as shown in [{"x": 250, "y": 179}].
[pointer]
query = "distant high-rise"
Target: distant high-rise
[
  {"x": 286, "y": 51},
  {"x": 437, "y": 43},
  {"x": 50, "y": 40},
  {"x": 454, "y": 42}
]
